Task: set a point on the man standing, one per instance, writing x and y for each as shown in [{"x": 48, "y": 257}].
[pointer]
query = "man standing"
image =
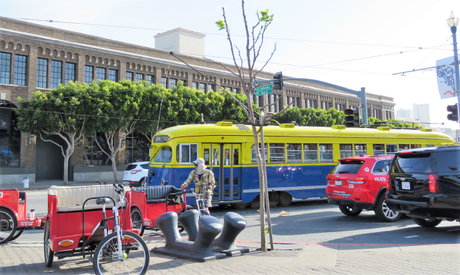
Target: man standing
[{"x": 203, "y": 179}]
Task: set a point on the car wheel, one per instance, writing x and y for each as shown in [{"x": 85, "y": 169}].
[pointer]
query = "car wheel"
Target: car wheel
[
  {"x": 383, "y": 212},
  {"x": 426, "y": 223},
  {"x": 351, "y": 211},
  {"x": 143, "y": 182}
]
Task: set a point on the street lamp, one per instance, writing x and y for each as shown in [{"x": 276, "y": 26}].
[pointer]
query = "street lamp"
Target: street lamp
[{"x": 453, "y": 23}]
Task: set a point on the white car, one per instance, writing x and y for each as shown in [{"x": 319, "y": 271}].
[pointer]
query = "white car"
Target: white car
[{"x": 136, "y": 173}]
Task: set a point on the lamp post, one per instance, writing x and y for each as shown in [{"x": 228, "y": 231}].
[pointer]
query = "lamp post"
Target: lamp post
[{"x": 453, "y": 23}]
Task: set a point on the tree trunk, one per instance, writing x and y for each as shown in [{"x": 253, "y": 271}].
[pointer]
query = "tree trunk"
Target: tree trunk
[
  {"x": 66, "y": 169},
  {"x": 114, "y": 168}
]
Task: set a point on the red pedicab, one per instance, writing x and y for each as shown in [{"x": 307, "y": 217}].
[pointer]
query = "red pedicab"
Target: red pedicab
[
  {"x": 94, "y": 220},
  {"x": 148, "y": 203},
  {"x": 13, "y": 216}
]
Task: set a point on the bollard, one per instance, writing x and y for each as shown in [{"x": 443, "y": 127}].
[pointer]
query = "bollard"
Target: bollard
[
  {"x": 200, "y": 250},
  {"x": 189, "y": 220},
  {"x": 25, "y": 182},
  {"x": 233, "y": 225}
]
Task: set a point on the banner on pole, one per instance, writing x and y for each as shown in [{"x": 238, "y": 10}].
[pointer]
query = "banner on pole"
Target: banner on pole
[{"x": 445, "y": 70}]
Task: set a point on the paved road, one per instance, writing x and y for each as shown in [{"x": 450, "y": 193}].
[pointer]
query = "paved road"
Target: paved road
[{"x": 315, "y": 238}]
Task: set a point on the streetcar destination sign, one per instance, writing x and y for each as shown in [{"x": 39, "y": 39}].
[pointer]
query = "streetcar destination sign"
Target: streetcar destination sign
[{"x": 264, "y": 90}]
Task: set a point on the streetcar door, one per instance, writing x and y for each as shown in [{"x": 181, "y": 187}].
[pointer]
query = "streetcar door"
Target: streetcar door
[{"x": 224, "y": 161}]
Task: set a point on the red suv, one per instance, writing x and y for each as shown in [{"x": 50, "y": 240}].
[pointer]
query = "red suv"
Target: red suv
[{"x": 358, "y": 183}]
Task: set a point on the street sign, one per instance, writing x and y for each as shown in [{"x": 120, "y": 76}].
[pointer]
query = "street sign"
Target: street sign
[{"x": 264, "y": 90}]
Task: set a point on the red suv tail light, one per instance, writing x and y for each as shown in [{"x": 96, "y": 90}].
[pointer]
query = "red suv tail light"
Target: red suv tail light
[
  {"x": 433, "y": 183},
  {"x": 357, "y": 180},
  {"x": 328, "y": 179}
]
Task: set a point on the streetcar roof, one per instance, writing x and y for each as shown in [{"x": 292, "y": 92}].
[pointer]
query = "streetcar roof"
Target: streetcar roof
[{"x": 230, "y": 129}]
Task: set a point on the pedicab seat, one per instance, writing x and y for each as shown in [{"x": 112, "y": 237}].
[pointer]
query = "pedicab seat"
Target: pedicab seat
[
  {"x": 71, "y": 198},
  {"x": 156, "y": 194}
]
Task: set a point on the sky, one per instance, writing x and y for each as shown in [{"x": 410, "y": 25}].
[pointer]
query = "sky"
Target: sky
[{"x": 350, "y": 43}]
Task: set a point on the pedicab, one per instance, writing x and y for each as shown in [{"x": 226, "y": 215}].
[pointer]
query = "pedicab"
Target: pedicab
[
  {"x": 148, "y": 203},
  {"x": 13, "y": 215},
  {"x": 94, "y": 221}
]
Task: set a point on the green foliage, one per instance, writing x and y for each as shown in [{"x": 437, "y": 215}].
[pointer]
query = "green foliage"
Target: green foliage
[
  {"x": 393, "y": 123},
  {"x": 220, "y": 25},
  {"x": 62, "y": 110},
  {"x": 311, "y": 117}
]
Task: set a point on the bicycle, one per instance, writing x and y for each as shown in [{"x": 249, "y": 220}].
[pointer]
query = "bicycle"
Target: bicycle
[
  {"x": 200, "y": 201},
  {"x": 115, "y": 249},
  {"x": 119, "y": 250}
]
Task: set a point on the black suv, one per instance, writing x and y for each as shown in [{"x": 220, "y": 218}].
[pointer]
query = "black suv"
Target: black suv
[{"x": 424, "y": 184}]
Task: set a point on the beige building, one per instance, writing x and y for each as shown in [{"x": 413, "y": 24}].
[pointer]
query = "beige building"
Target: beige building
[{"x": 36, "y": 57}]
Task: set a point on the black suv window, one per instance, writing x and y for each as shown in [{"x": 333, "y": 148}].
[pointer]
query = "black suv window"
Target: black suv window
[
  {"x": 446, "y": 162},
  {"x": 411, "y": 163},
  {"x": 348, "y": 167}
]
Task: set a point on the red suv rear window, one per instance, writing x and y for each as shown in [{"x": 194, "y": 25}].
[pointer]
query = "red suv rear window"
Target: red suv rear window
[{"x": 348, "y": 167}]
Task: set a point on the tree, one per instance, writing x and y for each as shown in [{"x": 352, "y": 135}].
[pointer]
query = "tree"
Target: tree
[
  {"x": 64, "y": 112},
  {"x": 254, "y": 42},
  {"x": 117, "y": 116}
]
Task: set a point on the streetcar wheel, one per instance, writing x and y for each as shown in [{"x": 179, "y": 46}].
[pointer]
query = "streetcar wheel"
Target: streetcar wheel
[
  {"x": 240, "y": 206},
  {"x": 383, "y": 212},
  {"x": 136, "y": 218},
  {"x": 49, "y": 254},
  {"x": 134, "y": 259},
  {"x": 8, "y": 225},
  {"x": 426, "y": 223},
  {"x": 18, "y": 233},
  {"x": 351, "y": 211},
  {"x": 284, "y": 199}
]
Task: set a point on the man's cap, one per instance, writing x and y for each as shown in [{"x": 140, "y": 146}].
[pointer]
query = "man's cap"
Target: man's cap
[{"x": 198, "y": 161}]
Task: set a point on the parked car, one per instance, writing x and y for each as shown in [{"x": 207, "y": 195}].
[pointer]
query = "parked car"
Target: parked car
[
  {"x": 425, "y": 184},
  {"x": 358, "y": 183},
  {"x": 135, "y": 174}
]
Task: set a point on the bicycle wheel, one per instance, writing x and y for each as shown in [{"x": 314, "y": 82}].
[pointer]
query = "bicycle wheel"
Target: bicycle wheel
[
  {"x": 18, "y": 233},
  {"x": 8, "y": 225},
  {"x": 135, "y": 258}
]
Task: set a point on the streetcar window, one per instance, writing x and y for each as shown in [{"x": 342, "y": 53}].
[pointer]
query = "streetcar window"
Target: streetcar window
[
  {"x": 294, "y": 152},
  {"x": 379, "y": 149},
  {"x": 360, "y": 150},
  {"x": 235, "y": 156},
  {"x": 253, "y": 153},
  {"x": 310, "y": 152},
  {"x": 206, "y": 156},
  {"x": 403, "y": 147},
  {"x": 325, "y": 152},
  {"x": 392, "y": 148},
  {"x": 215, "y": 157},
  {"x": 415, "y": 146},
  {"x": 187, "y": 152},
  {"x": 277, "y": 152},
  {"x": 164, "y": 155},
  {"x": 346, "y": 150}
]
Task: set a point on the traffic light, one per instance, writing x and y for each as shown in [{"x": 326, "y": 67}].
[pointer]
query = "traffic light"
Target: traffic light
[
  {"x": 352, "y": 118},
  {"x": 453, "y": 109},
  {"x": 278, "y": 83}
]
